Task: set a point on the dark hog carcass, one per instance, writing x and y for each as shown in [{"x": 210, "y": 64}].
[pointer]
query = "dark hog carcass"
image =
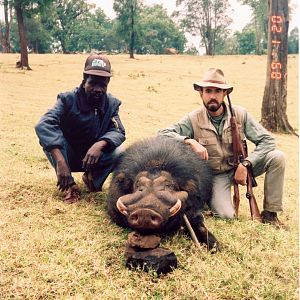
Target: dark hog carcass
[{"x": 156, "y": 181}]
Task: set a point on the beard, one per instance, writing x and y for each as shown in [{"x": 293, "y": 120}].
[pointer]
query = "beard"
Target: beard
[
  {"x": 213, "y": 105},
  {"x": 95, "y": 100}
]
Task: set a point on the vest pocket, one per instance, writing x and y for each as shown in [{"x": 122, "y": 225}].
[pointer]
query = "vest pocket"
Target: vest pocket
[
  {"x": 211, "y": 144},
  {"x": 215, "y": 163},
  {"x": 205, "y": 141}
]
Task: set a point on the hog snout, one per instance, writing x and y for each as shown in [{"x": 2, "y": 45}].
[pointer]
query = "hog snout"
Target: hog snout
[{"x": 145, "y": 218}]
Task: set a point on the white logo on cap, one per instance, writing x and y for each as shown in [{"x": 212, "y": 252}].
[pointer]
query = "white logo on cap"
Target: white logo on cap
[{"x": 98, "y": 63}]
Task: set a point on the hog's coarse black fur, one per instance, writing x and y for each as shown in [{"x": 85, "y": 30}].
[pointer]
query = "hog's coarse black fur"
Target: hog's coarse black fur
[{"x": 191, "y": 174}]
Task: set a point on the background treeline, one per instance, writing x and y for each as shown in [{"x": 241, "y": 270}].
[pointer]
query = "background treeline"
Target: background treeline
[{"x": 70, "y": 26}]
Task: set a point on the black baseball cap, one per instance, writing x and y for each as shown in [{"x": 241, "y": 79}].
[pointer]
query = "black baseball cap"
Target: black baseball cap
[{"x": 97, "y": 65}]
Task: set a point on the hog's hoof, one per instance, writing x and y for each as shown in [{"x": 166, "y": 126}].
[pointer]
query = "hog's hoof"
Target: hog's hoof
[{"x": 214, "y": 248}]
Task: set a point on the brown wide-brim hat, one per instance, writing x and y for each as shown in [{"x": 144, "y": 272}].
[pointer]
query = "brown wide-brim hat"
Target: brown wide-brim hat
[
  {"x": 97, "y": 65},
  {"x": 215, "y": 78}
]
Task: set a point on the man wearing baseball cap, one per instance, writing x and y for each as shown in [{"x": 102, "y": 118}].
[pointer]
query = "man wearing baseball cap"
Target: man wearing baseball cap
[
  {"x": 83, "y": 131},
  {"x": 207, "y": 130}
]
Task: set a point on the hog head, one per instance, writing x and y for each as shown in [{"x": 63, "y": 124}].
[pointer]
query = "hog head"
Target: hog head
[{"x": 154, "y": 200}]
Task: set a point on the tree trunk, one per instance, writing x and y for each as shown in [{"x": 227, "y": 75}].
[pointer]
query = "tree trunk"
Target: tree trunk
[
  {"x": 23, "y": 41},
  {"x": 131, "y": 47},
  {"x": 6, "y": 38},
  {"x": 257, "y": 36},
  {"x": 273, "y": 112}
]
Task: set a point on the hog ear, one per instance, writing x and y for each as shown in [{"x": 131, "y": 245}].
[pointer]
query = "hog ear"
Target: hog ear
[
  {"x": 190, "y": 186},
  {"x": 124, "y": 182},
  {"x": 120, "y": 177}
]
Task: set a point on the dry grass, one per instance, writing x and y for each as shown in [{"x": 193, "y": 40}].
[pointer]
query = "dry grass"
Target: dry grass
[{"x": 51, "y": 250}]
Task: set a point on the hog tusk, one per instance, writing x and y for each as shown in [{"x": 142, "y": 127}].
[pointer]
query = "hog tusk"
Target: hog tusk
[
  {"x": 174, "y": 209},
  {"x": 121, "y": 207}
]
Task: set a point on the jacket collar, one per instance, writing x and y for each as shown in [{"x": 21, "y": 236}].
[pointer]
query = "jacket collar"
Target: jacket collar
[{"x": 208, "y": 123}]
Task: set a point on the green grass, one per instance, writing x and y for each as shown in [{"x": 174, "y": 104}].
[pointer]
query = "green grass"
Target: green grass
[{"x": 51, "y": 250}]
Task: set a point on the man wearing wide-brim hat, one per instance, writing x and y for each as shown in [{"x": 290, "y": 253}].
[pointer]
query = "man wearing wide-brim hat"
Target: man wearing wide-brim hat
[{"x": 207, "y": 130}]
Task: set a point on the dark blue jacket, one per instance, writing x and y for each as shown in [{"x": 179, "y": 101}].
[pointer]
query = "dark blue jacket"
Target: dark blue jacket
[{"x": 72, "y": 119}]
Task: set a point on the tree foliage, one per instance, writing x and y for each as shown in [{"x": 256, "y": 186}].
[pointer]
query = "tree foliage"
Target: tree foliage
[
  {"x": 246, "y": 41},
  {"x": 89, "y": 29},
  {"x": 39, "y": 39},
  {"x": 70, "y": 14},
  {"x": 293, "y": 41},
  {"x": 158, "y": 31}
]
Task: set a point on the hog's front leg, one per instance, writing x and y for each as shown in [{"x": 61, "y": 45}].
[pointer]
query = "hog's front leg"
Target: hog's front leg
[{"x": 202, "y": 233}]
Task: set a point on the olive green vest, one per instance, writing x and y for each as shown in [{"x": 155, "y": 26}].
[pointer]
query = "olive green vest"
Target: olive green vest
[{"x": 219, "y": 148}]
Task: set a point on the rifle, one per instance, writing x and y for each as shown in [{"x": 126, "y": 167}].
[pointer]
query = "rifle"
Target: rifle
[{"x": 240, "y": 152}]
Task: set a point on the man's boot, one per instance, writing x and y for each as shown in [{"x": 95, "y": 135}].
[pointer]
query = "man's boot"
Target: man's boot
[{"x": 269, "y": 217}]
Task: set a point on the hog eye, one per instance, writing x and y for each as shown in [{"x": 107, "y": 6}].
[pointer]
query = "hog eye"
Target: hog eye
[
  {"x": 169, "y": 186},
  {"x": 139, "y": 188}
]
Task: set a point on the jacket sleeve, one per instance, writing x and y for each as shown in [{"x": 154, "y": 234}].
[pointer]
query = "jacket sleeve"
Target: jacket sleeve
[
  {"x": 257, "y": 134},
  {"x": 115, "y": 135},
  {"x": 48, "y": 128},
  {"x": 180, "y": 131}
]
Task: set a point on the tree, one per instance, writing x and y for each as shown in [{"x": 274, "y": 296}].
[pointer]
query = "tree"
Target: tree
[
  {"x": 69, "y": 15},
  {"x": 273, "y": 112},
  {"x": 246, "y": 41},
  {"x": 24, "y": 63},
  {"x": 127, "y": 12},
  {"x": 39, "y": 39},
  {"x": 158, "y": 31},
  {"x": 259, "y": 22},
  {"x": 39, "y": 26},
  {"x": 5, "y": 35},
  {"x": 93, "y": 31},
  {"x": 207, "y": 19},
  {"x": 222, "y": 45},
  {"x": 22, "y": 7}
]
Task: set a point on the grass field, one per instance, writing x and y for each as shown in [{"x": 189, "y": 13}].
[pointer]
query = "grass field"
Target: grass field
[{"x": 51, "y": 250}]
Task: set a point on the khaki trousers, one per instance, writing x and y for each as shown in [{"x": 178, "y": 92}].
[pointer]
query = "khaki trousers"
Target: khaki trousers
[{"x": 273, "y": 165}]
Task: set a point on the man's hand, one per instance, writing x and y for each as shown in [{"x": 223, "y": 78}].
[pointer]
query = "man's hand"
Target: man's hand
[
  {"x": 198, "y": 148},
  {"x": 93, "y": 154},
  {"x": 64, "y": 178},
  {"x": 240, "y": 175}
]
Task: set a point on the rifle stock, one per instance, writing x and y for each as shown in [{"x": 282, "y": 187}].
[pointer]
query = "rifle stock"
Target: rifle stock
[
  {"x": 255, "y": 214},
  {"x": 236, "y": 198},
  {"x": 239, "y": 154}
]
